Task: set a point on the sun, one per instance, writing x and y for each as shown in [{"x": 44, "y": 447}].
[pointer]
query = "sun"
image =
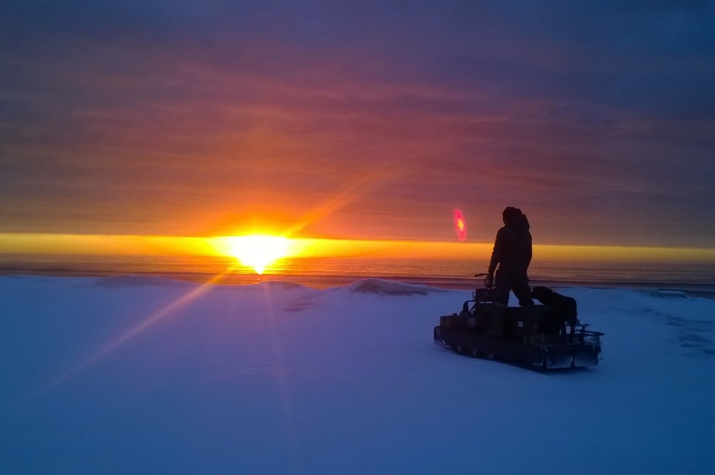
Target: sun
[{"x": 258, "y": 251}]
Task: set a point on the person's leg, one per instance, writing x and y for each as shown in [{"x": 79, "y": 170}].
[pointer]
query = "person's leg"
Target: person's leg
[
  {"x": 501, "y": 300},
  {"x": 520, "y": 286},
  {"x": 502, "y": 286}
]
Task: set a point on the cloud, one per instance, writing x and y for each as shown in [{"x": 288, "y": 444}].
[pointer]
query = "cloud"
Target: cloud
[{"x": 191, "y": 117}]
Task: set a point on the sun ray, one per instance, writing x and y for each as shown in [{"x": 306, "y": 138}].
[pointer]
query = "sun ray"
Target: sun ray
[
  {"x": 359, "y": 187},
  {"x": 132, "y": 332}
]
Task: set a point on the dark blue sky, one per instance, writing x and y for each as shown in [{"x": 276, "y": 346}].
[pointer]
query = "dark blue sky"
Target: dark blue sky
[{"x": 360, "y": 119}]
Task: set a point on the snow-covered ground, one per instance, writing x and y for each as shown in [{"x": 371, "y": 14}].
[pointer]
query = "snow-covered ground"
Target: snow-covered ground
[{"x": 152, "y": 376}]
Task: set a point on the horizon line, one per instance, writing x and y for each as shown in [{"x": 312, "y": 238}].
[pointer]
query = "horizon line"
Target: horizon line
[{"x": 316, "y": 247}]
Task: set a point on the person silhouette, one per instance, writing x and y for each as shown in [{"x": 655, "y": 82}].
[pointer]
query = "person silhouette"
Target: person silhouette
[{"x": 510, "y": 260}]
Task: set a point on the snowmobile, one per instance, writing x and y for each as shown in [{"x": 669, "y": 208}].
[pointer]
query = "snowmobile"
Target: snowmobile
[{"x": 544, "y": 336}]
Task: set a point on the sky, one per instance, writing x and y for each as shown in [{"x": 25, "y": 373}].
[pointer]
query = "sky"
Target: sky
[{"x": 360, "y": 120}]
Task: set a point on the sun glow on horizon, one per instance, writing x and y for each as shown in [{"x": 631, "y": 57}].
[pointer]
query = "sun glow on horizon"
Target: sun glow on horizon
[
  {"x": 261, "y": 250},
  {"x": 258, "y": 251}
]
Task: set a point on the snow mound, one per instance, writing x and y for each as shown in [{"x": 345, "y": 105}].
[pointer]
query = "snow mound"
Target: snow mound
[
  {"x": 276, "y": 285},
  {"x": 669, "y": 294},
  {"x": 391, "y": 288}
]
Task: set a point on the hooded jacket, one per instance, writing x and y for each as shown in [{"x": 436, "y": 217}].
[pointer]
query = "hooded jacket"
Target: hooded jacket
[{"x": 512, "y": 246}]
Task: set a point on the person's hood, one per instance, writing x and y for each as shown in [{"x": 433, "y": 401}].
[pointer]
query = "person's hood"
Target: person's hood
[{"x": 519, "y": 223}]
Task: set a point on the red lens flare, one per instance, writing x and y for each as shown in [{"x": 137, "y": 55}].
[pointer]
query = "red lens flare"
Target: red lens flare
[{"x": 460, "y": 225}]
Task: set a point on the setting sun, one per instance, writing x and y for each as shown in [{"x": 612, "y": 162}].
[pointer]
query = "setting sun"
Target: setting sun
[{"x": 258, "y": 251}]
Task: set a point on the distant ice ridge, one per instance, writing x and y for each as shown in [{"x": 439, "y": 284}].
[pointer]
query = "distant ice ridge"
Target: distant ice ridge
[
  {"x": 366, "y": 286},
  {"x": 138, "y": 281},
  {"x": 276, "y": 378},
  {"x": 389, "y": 287}
]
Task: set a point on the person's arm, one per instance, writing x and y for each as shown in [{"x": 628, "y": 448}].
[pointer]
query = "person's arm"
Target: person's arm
[
  {"x": 496, "y": 254},
  {"x": 528, "y": 256}
]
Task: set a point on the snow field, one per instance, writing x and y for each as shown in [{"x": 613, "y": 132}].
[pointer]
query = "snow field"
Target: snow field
[{"x": 148, "y": 375}]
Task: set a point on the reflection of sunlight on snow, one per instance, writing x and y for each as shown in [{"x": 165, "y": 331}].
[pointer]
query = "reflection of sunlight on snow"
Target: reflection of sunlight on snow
[{"x": 281, "y": 374}]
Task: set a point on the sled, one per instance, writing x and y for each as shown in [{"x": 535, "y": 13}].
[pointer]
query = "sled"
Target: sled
[{"x": 541, "y": 336}]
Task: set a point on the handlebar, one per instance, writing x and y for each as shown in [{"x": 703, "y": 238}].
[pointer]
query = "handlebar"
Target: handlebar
[{"x": 485, "y": 275}]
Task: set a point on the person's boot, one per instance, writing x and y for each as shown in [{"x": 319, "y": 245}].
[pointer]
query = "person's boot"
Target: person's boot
[{"x": 498, "y": 319}]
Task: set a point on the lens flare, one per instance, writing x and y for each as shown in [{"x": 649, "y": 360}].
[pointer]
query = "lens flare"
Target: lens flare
[{"x": 460, "y": 225}]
